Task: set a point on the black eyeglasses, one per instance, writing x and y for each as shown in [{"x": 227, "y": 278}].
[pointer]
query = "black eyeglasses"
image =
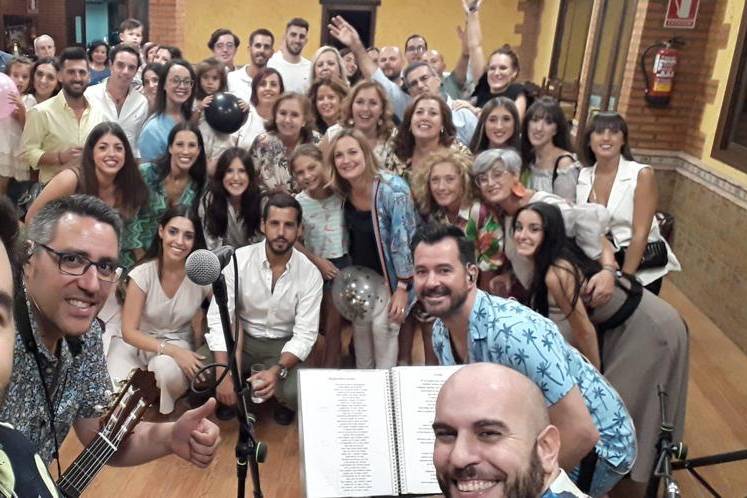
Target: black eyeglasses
[{"x": 75, "y": 264}]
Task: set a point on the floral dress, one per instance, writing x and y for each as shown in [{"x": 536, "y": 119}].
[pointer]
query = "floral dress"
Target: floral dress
[{"x": 270, "y": 158}]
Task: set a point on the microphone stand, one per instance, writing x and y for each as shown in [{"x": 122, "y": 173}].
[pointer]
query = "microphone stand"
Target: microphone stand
[
  {"x": 666, "y": 450},
  {"x": 249, "y": 452}
]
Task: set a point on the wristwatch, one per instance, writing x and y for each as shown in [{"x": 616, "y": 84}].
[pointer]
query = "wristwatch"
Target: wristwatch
[{"x": 283, "y": 372}]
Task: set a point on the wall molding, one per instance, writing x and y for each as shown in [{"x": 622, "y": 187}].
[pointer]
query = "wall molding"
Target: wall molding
[{"x": 694, "y": 169}]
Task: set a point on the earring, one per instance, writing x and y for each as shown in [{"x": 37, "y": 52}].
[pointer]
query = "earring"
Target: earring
[{"x": 519, "y": 190}]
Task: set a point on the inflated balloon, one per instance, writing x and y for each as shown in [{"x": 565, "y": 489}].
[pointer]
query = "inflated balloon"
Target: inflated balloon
[
  {"x": 224, "y": 113},
  {"x": 359, "y": 293},
  {"x": 7, "y": 88}
]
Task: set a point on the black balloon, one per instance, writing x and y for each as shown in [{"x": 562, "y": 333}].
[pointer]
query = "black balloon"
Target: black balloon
[{"x": 224, "y": 114}]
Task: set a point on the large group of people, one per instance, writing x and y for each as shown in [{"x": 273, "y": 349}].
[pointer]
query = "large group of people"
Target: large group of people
[{"x": 461, "y": 189}]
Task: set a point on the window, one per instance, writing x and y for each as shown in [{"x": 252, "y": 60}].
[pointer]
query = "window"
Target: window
[
  {"x": 730, "y": 143},
  {"x": 360, "y": 13}
]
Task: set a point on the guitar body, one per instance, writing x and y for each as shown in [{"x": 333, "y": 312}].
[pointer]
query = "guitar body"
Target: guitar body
[{"x": 133, "y": 399}]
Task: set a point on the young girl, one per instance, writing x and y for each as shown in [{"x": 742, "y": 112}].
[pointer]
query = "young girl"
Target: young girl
[
  {"x": 325, "y": 239},
  {"x": 19, "y": 70},
  {"x": 211, "y": 79}
]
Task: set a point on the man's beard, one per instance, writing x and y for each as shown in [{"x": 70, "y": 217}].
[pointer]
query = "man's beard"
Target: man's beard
[
  {"x": 73, "y": 93},
  {"x": 457, "y": 300},
  {"x": 259, "y": 61},
  {"x": 278, "y": 252},
  {"x": 292, "y": 50},
  {"x": 530, "y": 484}
]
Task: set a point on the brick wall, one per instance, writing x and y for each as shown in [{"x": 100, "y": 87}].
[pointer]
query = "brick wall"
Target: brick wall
[
  {"x": 48, "y": 20},
  {"x": 676, "y": 126},
  {"x": 166, "y": 18}
]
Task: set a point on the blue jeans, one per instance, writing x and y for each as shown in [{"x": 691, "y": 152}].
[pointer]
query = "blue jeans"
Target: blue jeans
[{"x": 605, "y": 478}]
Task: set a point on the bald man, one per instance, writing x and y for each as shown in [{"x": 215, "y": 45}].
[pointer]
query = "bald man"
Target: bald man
[
  {"x": 44, "y": 46},
  {"x": 391, "y": 62},
  {"x": 494, "y": 437}
]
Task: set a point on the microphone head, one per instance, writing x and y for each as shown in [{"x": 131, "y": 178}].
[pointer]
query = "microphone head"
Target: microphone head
[{"x": 202, "y": 267}]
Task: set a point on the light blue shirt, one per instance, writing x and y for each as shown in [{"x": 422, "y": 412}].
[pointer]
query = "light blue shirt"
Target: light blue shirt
[
  {"x": 505, "y": 332},
  {"x": 154, "y": 139},
  {"x": 324, "y": 225}
]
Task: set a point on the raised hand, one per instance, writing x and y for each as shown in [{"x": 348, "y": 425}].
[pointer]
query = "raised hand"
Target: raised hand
[{"x": 343, "y": 31}]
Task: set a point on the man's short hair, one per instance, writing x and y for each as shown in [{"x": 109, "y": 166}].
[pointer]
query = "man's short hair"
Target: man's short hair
[
  {"x": 129, "y": 24},
  {"x": 40, "y": 38},
  {"x": 412, "y": 67},
  {"x": 72, "y": 54},
  {"x": 297, "y": 21},
  {"x": 282, "y": 200},
  {"x": 433, "y": 233},
  {"x": 261, "y": 32},
  {"x": 123, "y": 47},
  {"x": 220, "y": 32},
  {"x": 44, "y": 225},
  {"x": 413, "y": 36}
]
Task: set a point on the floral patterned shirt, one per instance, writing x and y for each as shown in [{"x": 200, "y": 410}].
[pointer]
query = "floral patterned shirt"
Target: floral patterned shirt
[
  {"x": 505, "y": 332},
  {"x": 270, "y": 158},
  {"x": 77, "y": 383},
  {"x": 485, "y": 229}
]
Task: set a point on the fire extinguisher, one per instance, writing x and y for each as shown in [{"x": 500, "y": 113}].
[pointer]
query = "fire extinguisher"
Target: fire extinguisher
[{"x": 659, "y": 91}]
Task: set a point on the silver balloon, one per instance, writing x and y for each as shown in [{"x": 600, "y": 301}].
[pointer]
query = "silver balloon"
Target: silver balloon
[{"x": 359, "y": 293}]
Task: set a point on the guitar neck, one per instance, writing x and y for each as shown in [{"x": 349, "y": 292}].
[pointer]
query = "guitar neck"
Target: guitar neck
[{"x": 82, "y": 471}]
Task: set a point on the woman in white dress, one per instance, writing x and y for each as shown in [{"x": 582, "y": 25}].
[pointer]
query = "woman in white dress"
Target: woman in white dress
[{"x": 159, "y": 309}]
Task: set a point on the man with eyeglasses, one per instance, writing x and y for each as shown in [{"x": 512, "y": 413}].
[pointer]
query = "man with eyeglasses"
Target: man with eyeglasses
[
  {"x": 224, "y": 43},
  {"x": 57, "y": 128},
  {"x": 415, "y": 47},
  {"x": 59, "y": 375}
]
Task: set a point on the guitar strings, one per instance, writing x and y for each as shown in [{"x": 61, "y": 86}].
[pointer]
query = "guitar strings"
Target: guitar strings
[{"x": 78, "y": 468}]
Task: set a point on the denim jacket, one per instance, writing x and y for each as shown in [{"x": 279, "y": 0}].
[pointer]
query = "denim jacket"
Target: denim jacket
[{"x": 395, "y": 221}]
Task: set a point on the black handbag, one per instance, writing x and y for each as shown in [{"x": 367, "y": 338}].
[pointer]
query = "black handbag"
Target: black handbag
[{"x": 654, "y": 256}]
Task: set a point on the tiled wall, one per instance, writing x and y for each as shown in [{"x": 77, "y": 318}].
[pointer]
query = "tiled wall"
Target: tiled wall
[{"x": 710, "y": 239}]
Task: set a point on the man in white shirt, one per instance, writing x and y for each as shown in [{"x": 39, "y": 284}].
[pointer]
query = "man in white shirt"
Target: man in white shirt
[
  {"x": 288, "y": 61},
  {"x": 494, "y": 437},
  {"x": 279, "y": 296},
  {"x": 261, "y": 42},
  {"x": 116, "y": 97}
]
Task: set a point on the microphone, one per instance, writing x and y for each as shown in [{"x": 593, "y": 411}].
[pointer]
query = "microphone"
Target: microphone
[{"x": 203, "y": 267}]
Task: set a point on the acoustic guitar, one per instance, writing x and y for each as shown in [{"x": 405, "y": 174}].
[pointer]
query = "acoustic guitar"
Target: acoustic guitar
[{"x": 134, "y": 397}]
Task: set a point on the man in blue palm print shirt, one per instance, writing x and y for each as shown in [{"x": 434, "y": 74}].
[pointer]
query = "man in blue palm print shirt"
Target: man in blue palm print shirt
[{"x": 473, "y": 326}]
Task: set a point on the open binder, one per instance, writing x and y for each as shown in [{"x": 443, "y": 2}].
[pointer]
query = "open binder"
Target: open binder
[{"x": 368, "y": 432}]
